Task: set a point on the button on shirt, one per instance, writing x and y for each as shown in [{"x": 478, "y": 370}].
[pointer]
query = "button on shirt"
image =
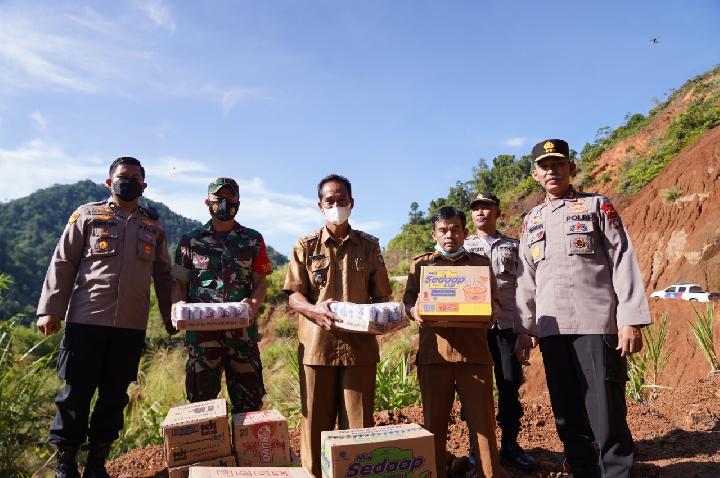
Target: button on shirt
[
  {"x": 218, "y": 268},
  {"x": 503, "y": 254},
  {"x": 578, "y": 272},
  {"x": 101, "y": 269},
  {"x": 450, "y": 344},
  {"x": 351, "y": 271}
]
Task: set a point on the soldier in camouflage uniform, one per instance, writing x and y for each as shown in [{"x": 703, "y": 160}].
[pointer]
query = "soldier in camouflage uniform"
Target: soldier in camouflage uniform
[{"x": 223, "y": 262}]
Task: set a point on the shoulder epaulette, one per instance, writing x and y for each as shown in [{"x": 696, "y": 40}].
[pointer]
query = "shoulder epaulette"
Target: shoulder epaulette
[
  {"x": 310, "y": 237},
  {"x": 367, "y": 236},
  {"x": 421, "y": 255}
]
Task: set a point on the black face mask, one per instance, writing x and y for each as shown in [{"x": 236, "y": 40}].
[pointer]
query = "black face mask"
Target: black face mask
[
  {"x": 223, "y": 210},
  {"x": 127, "y": 189}
]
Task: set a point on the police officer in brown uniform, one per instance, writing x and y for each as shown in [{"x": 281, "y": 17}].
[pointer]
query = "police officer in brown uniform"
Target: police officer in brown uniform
[
  {"x": 503, "y": 254},
  {"x": 581, "y": 293},
  {"x": 337, "y": 368},
  {"x": 99, "y": 282},
  {"x": 450, "y": 359}
]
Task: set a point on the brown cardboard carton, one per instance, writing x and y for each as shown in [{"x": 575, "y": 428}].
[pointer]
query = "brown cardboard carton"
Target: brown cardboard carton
[
  {"x": 211, "y": 316},
  {"x": 184, "y": 471},
  {"x": 196, "y": 432},
  {"x": 455, "y": 296},
  {"x": 249, "y": 472},
  {"x": 261, "y": 439},
  {"x": 400, "y": 451}
]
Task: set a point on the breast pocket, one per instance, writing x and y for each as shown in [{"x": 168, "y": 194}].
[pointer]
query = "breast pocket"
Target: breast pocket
[
  {"x": 536, "y": 244},
  {"x": 146, "y": 247},
  {"x": 318, "y": 272},
  {"x": 507, "y": 263},
  {"x": 579, "y": 237},
  {"x": 103, "y": 241}
]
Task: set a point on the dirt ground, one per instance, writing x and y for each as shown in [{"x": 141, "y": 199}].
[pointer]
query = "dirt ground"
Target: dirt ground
[{"x": 677, "y": 435}]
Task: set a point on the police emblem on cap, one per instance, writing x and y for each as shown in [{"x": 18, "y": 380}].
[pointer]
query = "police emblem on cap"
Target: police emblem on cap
[{"x": 549, "y": 147}]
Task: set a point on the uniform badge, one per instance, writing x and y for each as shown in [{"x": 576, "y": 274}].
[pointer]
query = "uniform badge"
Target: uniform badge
[
  {"x": 577, "y": 206},
  {"x": 581, "y": 245},
  {"x": 577, "y": 227},
  {"x": 104, "y": 217},
  {"x": 549, "y": 147},
  {"x": 609, "y": 210},
  {"x": 148, "y": 250},
  {"x": 536, "y": 252},
  {"x": 148, "y": 222},
  {"x": 102, "y": 245},
  {"x": 103, "y": 231},
  {"x": 73, "y": 217},
  {"x": 148, "y": 236},
  {"x": 102, "y": 209}
]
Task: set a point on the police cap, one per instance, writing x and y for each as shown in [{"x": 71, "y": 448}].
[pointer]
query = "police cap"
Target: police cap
[{"x": 550, "y": 147}]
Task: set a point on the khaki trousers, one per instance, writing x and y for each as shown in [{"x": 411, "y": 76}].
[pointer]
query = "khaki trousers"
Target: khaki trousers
[
  {"x": 473, "y": 382},
  {"x": 331, "y": 394}
]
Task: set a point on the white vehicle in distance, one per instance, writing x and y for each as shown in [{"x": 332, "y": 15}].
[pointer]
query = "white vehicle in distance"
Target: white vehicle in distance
[{"x": 690, "y": 292}]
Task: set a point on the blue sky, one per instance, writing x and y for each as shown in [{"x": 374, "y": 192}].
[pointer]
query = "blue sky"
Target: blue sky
[{"x": 403, "y": 97}]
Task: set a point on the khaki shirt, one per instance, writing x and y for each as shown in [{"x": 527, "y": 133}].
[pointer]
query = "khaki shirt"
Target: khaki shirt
[
  {"x": 503, "y": 255},
  {"x": 353, "y": 271},
  {"x": 578, "y": 271},
  {"x": 100, "y": 271},
  {"x": 451, "y": 344}
]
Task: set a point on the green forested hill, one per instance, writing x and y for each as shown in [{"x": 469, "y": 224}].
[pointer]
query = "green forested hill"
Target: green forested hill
[{"x": 30, "y": 228}]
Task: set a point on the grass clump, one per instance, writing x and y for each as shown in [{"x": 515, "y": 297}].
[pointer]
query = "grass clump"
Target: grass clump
[
  {"x": 670, "y": 194},
  {"x": 282, "y": 327},
  {"x": 645, "y": 368},
  {"x": 396, "y": 384},
  {"x": 702, "y": 330},
  {"x": 27, "y": 387}
]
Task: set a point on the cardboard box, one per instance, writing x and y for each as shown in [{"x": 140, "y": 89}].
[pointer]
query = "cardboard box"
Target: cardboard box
[
  {"x": 398, "y": 451},
  {"x": 261, "y": 439},
  {"x": 184, "y": 471},
  {"x": 252, "y": 472},
  {"x": 196, "y": 432},
  {"x": 211, "y": 316},
  {"x": 377, "y": 318},
  {"x": 455, "y": 295}
]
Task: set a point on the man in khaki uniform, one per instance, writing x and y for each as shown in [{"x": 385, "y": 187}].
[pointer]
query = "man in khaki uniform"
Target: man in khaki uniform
[
  {"x": 99, "y": 282},
  {"x": 337, "y": 368},
  {"x": 450, "y": 359},
  {"x": 503, "y": 254},
  {"x": 581, "y": 293}
]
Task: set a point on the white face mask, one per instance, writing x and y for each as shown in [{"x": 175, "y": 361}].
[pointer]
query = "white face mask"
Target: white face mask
[{"x": 337, "y": 214}]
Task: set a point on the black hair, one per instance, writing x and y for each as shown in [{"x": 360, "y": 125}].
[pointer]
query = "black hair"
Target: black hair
[
  {"x": 126, "y": 160},
  {"x": 448, "y": 212},
  {"x": 336, "y": 178}
]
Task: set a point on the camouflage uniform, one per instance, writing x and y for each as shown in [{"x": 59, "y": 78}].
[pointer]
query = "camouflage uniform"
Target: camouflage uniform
[{"x": 219, "y": 269}]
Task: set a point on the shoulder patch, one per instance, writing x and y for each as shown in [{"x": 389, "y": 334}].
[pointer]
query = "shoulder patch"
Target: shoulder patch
[
  {"x": 74, "y": 216},
  {"x": 367, "y": 236}
]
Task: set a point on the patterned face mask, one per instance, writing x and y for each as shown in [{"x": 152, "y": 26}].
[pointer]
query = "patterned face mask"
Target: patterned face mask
[{"x": 223, "y": 210}]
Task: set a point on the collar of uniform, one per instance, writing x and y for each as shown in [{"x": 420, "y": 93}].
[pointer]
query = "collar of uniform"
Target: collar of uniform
[
  {"x": 570, "y": 195},
  {"x": 326, "y": 236},
  {"x": 115, "y": 207},
  {"x": 437, "y": 255},
  {"x": 207, "y": 228}
]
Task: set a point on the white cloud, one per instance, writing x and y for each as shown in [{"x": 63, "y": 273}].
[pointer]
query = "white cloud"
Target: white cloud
[
  {"x": 41, "y": 122},
  {"x": 38, "y": 164},
  {"x": 229, "y": 97},
  {"x": 367, "y": 225},
  {"x": 158, "y": 12},
  {"x": 516, "y": 142}
]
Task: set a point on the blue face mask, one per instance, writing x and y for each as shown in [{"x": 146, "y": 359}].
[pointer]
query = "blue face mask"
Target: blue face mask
[{"x": 449, "y": 254}]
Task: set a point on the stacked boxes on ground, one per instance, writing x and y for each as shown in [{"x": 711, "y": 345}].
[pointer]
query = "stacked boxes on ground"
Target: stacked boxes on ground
[
  {"x": 256, "y": 472},
  {"x": 398, "y": 451},
  {"x": 261, "y": 439},
  {"x": 196, "y": 432}
]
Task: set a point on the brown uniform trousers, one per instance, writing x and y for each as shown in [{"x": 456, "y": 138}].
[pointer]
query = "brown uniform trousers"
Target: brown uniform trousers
[
  {"x": 451, "y": 359},
  {"x": 337, "y": 369}
]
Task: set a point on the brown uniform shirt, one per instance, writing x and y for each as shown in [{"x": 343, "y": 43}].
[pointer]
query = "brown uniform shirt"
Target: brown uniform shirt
[
  {"x": 451, "y": 344},
  {"x": 100, "y": 271},
  {"x": 578, "y": 272},
  {"x": 353, "y": 271}
]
